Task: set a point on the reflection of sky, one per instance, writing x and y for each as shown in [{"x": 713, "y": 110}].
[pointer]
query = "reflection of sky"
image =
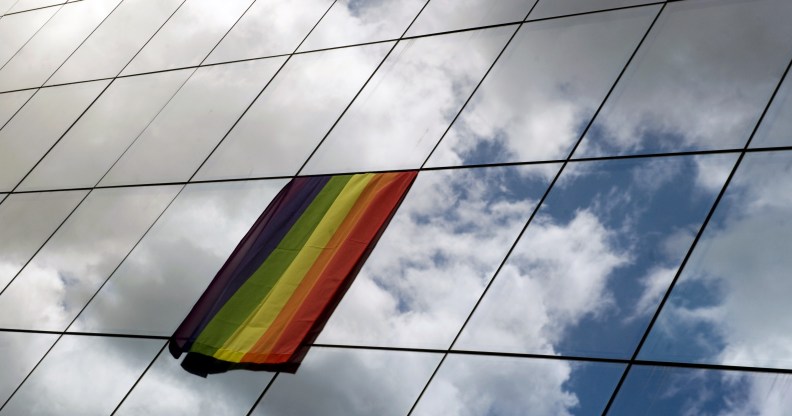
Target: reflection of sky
[
  {"x": 468, "y": 385},
  {"x": 444, "y": 15},
  {"x": 16, "y": 29},
  {"x": 680, "y": 91},
  {"x": 776, "y": 128},
  {"x": 689, "y": 392},
  {"x": 26, "y": 350},
  {"x": 590, "y": 269},
  {"x": 433, "y": 261},
  {"x": 10, "y": 102},
  {"x": 731, "y": 303},
  {"x": 537, "y": 100}
]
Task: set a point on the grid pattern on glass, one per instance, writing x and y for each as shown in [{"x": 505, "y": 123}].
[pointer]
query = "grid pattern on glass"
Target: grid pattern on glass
[{"x": 350, "y": 369}]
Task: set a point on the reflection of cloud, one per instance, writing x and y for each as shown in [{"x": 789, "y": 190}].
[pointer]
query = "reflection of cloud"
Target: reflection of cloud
[
  {"x": 438, "y": 253},
  {"x": 26, "y": 350},
  {"x": 444, "y": 15}
]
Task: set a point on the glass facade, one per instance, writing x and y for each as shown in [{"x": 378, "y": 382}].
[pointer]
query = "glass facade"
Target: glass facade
[{"x": 600, "y": 223}]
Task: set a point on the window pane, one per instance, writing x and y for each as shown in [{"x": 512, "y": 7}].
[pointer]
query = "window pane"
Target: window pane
[
  {"x": 102, "y": 134},
  {"x": 270, "y": 27},
  {"x": 469, "y": 385},
  {"x": 445, "y": 15},
  {"x": 681, "y": 391},
  {"x": 22, "y": 5},
  {"x": 38, "y": 125},
  {"x": 10, "y": 103},
  {"x": 83, "y": 376},
  {"x": 409, "y": 103},
  {"x": 338, "y": 382},
  {"x": 48, "y": 48},
  {"x": 731, "y": 304},
  {"x": 543, "y": 91},
  {"x": 26, "y": 221},
  {"x": 680, "y": 94},
  {"x": 188, "y": 36},
  {"x": 116, "y": 41},
  {"x": 155, "y": 287},
  {"x": 562, "y": 7},
  {"x": 289, "y": 119},
  {"x": 173, "y": 146},
  {"x": 167, "y": 389},
  {"x": 352, "y": 21},
  {"x": 50, "y": 291},
  {"x": 590, "y": 270},
  {"x": 26, "y": 350},
  {"x": 776, "y": 127},
  {"x": 16, "y": 29},
  {"x": 437, "y": 255}
]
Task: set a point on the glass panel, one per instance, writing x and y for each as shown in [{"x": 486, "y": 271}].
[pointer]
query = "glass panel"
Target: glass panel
[
  {"x": 38, "y": 125},
  {"x": 338, "y": 382},
  {"x": 409, "y": 102},
  {"x": 731, "y": 304},
  {"x": 16, "y": 29},
  {"x": 26, "y": 350},
  {"x": 679, "y": 93},
  {"x": 181, "y": 137},
  {"x": 23, "y": 5},
  {"x": 155, "y": 287},
  {"x": 776, "y": 127},
  {"x": 188, "y": 36},
  {"x": 50, "y": 291},
  {"x": 48, "y": 48},
  {"x": 537, "y": 100},
  {"x": 552, "y": 8},
  {"x": 5, "y": 5},
  {"x": 289, "y": 119},
  {"x": 83, "y": 376},
  {"x": 116, "y": 41},
  {"x": 436, "y": 256},
  {"x": 590, "y": 270},
  {"x": 269, "y": 27},
  {"x": 102, "y": 134},
  {"x": 10, "y": 102},
  {"x": 469, "y": 385},
  {"x": 167, "y": 389},
  {"x": 26, "y": 221},
  {"x": 681, "y": 391},
  {"x": 445, "y": 15},
  {"x": 353, "y": 21}
]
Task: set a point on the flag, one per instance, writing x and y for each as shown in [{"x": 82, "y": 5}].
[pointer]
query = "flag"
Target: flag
[{"x": 275, "y": 292}]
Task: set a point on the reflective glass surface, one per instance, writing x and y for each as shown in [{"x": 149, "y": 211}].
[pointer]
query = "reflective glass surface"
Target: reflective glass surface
[
  {"x": 102, "y": 134},
  {"x": 11, "y": 102},
  {"x": 188, "y": 36},
  {"x": 17, "y": 29},
  {"x": 590, "y": 270},
  {"x": 552, "y": 8},
  {"x": 776, "y": 127},
  {"x": 38, "y": 125},
  {"x": 116, "y": 41},
  {"x": 731, "y": 304},
  {"x": 22, "y": 5},
  {"x": 445, "y": 15},
  {"x": 51, "y": 45},
  {"x": 83, "y": 376},
  {"x": 538, "y": 98},
  {"x": 54, "y": 286},
  {"x": 27, "y": 350},
  {"x": 679, "y": 92},
  {"x": 5, "y": 5},
  {"x": 408, "y": 104},
  {"x": 681, "y": 391},
  {"x": 181, "y": 136},
  {"x": 155, "y": 287},
  {"x": 296, "y": 110},
  {"x": 26, "y": 222},
  {"x": 474, "y": 385},
  {"x": 338, "y": 382},
  {"x": 166, "y": 389},
  {"x": 437, "y": 255},
  {"x": 270, "y": 27},
  {"x": 352, "y": 21}
]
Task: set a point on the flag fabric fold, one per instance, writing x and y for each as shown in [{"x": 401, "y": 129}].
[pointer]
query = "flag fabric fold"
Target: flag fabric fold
[{"x": 275, "y": 292}]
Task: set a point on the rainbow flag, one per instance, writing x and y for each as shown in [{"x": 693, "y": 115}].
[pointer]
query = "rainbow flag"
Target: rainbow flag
[{"x": 275, "y": 292}]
